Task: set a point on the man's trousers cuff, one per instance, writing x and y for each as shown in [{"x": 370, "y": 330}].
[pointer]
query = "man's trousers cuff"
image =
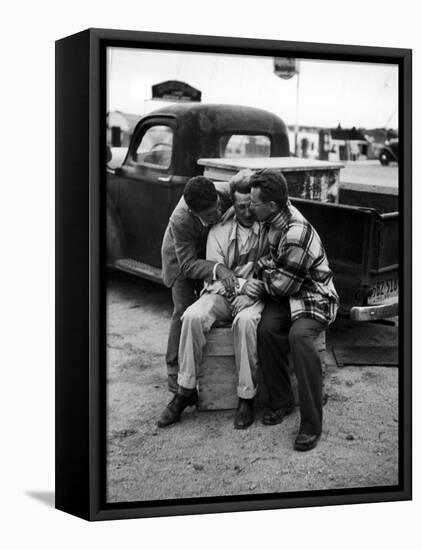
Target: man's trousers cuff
[
  {"x": 186, "y": 381},
  {"x": 246, "y": 393}
]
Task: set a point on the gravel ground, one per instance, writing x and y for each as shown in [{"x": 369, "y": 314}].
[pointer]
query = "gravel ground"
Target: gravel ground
[{"x": 203, "y": 456}]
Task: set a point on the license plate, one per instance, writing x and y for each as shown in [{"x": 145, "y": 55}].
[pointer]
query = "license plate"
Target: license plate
[{"x": 384, "y": 291}]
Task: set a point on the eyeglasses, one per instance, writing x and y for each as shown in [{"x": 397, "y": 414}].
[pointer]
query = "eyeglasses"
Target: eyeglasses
[{"x": 256, "y": 204}]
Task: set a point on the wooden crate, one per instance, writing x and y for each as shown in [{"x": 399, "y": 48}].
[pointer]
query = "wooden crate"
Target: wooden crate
[
  {"x": 217, "y": 381},
  {"x": 316, "y": 180}
]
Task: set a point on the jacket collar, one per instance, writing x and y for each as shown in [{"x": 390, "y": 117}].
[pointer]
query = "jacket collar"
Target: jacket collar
[{"x": 280, "y": 220}]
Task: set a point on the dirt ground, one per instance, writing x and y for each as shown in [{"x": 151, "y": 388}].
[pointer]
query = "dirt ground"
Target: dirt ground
[
  {"x": 370, "y": 172},
  {"x": 204, "y": 455}
]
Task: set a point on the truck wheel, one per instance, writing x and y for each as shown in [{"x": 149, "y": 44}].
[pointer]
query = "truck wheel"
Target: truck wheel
[{"x": 384, "y": 159}]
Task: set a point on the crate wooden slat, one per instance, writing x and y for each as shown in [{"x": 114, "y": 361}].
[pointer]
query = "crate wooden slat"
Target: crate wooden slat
[
  {"x": 217, "y": 380},
  {"x": 219, "y": 342}
]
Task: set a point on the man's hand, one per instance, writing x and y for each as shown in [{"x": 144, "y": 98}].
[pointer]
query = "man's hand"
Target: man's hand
[
  {"x": 240, "y": 302},
  {"x": 228, "y": 278},
  {"x": 254, "y": 288},
  {"x": 228, "y": 215}
]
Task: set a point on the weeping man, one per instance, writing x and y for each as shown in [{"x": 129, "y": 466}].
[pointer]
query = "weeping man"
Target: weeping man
[{"x": 235, "y": 243}]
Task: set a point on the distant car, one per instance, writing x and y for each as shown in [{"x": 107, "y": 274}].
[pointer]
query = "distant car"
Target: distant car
[{"x": 390, "y": 152}]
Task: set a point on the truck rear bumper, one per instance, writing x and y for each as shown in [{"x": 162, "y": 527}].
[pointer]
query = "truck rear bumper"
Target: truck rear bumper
[{"x": 371, "y": 313}]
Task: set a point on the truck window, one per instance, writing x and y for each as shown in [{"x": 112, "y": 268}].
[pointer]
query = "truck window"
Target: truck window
[
  {"x": 238, "y": 146},
  {"x": 155, "y": 147}
]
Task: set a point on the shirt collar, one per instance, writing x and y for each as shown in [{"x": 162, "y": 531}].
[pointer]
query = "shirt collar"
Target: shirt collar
[
  {"x": 254, "y": 229},
  {"x": 201, "y": 220}
]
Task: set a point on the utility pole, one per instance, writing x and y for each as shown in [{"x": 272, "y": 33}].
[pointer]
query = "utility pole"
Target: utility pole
[
  {"x": 297, "y": 108},
  {"x": 286, "y": 67}
]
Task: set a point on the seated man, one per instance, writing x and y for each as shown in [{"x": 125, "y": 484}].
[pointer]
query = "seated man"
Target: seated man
[
  {"x": 236, "y": 244},
  {"x": 300, "y": 301}
]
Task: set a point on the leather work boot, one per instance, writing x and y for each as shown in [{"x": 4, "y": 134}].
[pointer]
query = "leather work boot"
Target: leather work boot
[
  {"x": 244, "y": 414},
  {"x": 276, "y": 416},
  {"x": 174, "y": 409},
  {"x": 306, "y": 442}
]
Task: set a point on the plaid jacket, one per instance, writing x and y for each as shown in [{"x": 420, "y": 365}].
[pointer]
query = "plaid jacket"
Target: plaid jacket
[{"x": 296, "y": 266}]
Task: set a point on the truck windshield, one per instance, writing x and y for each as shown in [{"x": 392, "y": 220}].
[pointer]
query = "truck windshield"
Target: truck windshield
[{"x": 239, "y": 146}]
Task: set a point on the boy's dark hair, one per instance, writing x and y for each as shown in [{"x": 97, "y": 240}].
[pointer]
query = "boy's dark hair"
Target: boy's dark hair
[
  {"x": 241, "y": 183},
  {"x": 200, "y": 194},
  {"x": 273, "y": 186}
]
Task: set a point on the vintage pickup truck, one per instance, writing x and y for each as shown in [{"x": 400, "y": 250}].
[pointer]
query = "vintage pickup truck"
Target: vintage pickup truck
[{"x": 169, "y": 146}]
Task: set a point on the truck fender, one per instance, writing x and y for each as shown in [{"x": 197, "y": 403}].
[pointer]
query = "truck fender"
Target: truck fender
[{"x": 114, "y": 236}]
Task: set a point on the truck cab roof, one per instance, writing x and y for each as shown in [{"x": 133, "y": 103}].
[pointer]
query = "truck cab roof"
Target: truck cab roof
[
  {"x": 200, "y": 129},
  {"x": 223, "y": 116}
]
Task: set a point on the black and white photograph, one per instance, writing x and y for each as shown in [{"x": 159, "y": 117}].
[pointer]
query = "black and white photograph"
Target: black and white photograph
[
  {"x": 252, "y": 275},
  {"x": 210, "y": 235}
]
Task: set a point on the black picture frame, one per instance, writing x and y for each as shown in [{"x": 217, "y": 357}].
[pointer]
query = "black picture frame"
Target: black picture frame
[{"x": 80, "y": 280}]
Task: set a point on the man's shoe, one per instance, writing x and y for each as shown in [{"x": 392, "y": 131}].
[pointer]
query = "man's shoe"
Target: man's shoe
[
  {"x": 306, "y": 442},
  {"x": 276, "y": 416},
  {"x": 244, "y": 414},
  {"x": 174, "y": 409}
]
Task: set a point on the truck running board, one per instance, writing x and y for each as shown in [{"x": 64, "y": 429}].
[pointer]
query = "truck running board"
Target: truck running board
[{"x": 138, "y": 268}]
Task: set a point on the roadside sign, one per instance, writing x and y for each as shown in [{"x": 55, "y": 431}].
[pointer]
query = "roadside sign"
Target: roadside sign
[
  {"x": 175, "y": 90},
  {"x": 285, "y": 67}
]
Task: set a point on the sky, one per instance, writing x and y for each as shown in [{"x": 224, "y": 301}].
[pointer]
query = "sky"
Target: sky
[{"x": 328, "y": 93}]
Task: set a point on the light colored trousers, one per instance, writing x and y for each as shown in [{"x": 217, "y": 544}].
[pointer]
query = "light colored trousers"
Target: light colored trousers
[{"x": 197, "y": 322}]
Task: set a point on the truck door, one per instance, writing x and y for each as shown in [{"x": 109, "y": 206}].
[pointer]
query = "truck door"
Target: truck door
[{"x": 145, "y": 190}]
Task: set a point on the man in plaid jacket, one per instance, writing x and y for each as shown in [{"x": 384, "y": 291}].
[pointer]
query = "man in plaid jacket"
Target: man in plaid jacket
[{"x": 300, "y": 302}]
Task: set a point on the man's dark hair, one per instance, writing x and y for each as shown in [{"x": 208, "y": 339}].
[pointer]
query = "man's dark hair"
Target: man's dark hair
[
  {"x": 273, "y": 186},
  {"x": 200, "y": 194},
  {"x": 241, "y": 183}
]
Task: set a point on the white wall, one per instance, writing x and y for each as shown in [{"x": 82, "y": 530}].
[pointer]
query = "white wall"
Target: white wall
[
  {"x": 27, "y": 399},
  {"x": 311, "y": 136}
]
